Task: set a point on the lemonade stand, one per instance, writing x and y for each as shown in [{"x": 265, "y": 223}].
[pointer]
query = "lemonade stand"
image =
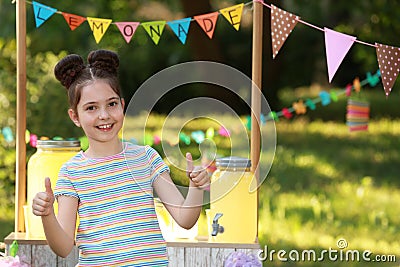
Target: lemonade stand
[{"x": 231, "y": 220}]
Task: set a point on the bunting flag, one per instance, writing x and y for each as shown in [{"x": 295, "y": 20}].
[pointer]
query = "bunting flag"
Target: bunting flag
[
  {"x": 154, "y": 29},
  {"x": 357, "y": 116},
  {"x": 180, "y": 28},
  {"x": 127, "y": 29},
  {"x": 325, "y": 98},
  {"x": 99, "y": 27},
  {"x": 336, "y": 46},
  {"x": 42, "y": 13},
  {"x": 233, "y": 14},
  {"x": 207, "y": 22},
  {"x": 357, "y": 85},
  {"x": 282, "y": 24},
  {"x": 299, "y": 107},
  {"x": 73, "y": 21},
  {"x": 389, "y": 64}
]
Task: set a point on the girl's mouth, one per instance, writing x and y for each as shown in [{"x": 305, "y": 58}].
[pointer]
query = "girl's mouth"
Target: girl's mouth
[{"x": 105, "y": 127}]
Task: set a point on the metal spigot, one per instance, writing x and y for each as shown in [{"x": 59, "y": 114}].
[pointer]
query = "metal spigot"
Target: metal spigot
[{"x": 215, "y": 225}]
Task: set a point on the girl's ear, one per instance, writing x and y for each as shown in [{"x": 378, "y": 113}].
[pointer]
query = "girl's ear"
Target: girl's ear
[{"x": 74, "y": 117}]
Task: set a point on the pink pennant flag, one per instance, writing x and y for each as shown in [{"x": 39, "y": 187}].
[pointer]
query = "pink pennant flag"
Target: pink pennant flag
[
  {"x": 336, "y": 47},
  {"x": 127, "y": 29},
  {"x": 207, "y": 22},
  {"x": 282, "y": 24},
  {"x": 389, "y": 65}
]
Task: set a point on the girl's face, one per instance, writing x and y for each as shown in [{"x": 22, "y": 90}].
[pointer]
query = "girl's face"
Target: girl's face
[{"x": 100, "y": 112}]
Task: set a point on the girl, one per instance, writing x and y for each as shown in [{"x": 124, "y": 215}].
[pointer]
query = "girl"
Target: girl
[{"x": 111, "y": 184}]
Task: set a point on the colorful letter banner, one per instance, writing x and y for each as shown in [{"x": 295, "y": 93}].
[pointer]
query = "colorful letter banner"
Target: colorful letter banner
[
  {"x": 42, "y": 13},
  {"x": 73, "y": 21},
  {"x": 180, "y": 28},
  {"x": 154, "y": 29},
  {"x": 207, "y": 22},
  {"x": 233, "y": 14},
  {"x": 127, "y": 29},
  {"x": 99, "y": 27}
]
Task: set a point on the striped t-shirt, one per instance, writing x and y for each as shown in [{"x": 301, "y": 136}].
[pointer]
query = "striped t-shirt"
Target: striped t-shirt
[{"x": 117, "y": 221}]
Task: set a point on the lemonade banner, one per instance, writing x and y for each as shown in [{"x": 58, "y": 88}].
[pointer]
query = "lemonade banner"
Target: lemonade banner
[{"x": 154, "y": 29}]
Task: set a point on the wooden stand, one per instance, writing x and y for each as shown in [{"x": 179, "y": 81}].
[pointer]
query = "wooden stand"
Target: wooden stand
[{"x": 182, "y": 253}]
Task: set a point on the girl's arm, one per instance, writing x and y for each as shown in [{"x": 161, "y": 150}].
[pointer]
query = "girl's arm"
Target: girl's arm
[
  {"x": 60, "y": 230},
  {"x": 185, "y": 211}
]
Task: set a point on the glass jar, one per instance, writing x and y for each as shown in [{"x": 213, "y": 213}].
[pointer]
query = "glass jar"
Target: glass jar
[
  {"x": 231, "y": 196},
  {"x": 46, "y": 162}
]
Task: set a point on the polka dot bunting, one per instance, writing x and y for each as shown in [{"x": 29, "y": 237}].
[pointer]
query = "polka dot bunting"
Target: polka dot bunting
[
  {"x": 282, "y": 24},
  {"x": 389, "y": 65}
]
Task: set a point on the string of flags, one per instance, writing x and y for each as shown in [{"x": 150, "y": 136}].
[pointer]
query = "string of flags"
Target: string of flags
[
  {"x": 357, "y": 108},
  {"x": 154, "y": 29},
  {"x": 283, "y": 23}
]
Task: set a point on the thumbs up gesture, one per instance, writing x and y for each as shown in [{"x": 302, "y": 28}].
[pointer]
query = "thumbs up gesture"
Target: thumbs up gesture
[
  {"x": 42, "y": 204},
  {"x": 197, "y": 175}
]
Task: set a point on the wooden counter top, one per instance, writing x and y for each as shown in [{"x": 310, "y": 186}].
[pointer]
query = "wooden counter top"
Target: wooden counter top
[{"x": 200, "y": 242}]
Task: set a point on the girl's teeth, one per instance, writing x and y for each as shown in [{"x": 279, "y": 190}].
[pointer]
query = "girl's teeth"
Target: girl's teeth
[{"x": 104, "y": 126}]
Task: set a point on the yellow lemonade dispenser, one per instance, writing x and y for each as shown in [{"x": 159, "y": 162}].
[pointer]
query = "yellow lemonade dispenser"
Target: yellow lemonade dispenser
[
  {"x": 233, "y": 203},
  {"x": 46, "y": 162}
]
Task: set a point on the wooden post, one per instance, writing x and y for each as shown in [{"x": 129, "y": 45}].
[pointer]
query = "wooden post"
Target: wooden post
[
  {"x": 256, "y": 90},
  {"x": 20, "y": 182}
]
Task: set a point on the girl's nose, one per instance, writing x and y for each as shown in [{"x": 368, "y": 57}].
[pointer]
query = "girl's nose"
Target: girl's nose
[{"x": 103, "y": 115}]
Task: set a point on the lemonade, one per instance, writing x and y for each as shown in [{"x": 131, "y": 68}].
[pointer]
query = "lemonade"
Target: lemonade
[
  {"x": 231, "y": 195},
  {"x": 46, "y": 162}
]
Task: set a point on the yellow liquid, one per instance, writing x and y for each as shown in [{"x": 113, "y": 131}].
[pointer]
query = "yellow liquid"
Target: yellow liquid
[
  {"x": 44, "y": 163},
  {"x": 230, "y": 195}
]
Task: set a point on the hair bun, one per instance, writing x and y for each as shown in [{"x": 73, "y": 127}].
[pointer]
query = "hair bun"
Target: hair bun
[
  {"x": 104, "y": 60},
  {"x": 68, "y": 69}
]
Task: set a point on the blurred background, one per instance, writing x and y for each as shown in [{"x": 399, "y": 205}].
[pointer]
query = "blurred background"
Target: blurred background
[{"x": 325, "y": 182}]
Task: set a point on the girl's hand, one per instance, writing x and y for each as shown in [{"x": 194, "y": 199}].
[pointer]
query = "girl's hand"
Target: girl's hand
[
  {"x": 43, "y": 201},
  {"x": 198, "y": 175}
]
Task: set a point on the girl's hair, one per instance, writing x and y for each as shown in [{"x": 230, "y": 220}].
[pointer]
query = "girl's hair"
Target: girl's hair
[{"x": 74, "y": 74}]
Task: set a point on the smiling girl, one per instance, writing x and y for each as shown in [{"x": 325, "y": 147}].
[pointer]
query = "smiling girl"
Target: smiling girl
[{"x": 111, "y": 184}]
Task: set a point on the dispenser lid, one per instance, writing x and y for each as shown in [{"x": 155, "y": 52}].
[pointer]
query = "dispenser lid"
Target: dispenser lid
[
  {"x": 58, "y": 143},
  {"x": 233, "y": 162}
]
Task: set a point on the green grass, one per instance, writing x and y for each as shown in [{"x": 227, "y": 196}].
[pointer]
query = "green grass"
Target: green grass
[{"x": 327, "y": 183}]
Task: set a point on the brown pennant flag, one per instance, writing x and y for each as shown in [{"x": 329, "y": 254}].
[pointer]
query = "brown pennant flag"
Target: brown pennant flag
[
  {"x": 389, "y": 65},
  {"x": 282, "y": 24}
]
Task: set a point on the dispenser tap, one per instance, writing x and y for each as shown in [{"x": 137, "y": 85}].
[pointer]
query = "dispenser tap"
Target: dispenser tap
[{"x": 215, "y": 225}]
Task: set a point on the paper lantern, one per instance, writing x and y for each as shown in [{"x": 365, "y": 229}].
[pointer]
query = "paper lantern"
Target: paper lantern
[{"x": 357, "y": 116}]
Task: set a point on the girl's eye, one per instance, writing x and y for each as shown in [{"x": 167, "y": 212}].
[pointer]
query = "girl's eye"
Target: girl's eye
[
  {"x": 90, "y": 108},
  {"x": 113, "y": 104}
]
